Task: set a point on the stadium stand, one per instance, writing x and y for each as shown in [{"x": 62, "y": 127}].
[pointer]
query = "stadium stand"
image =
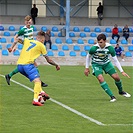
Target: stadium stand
[
  {"x": 54, "y": 47},
  {"x": 61, "y": 53},
  {"x": 80, "y": 41},
  {"x": 69, "y": 41},
  {"x": 72, "y": 53},
  {"x": 65, "y": 47},
  {"x": 16, "y": 53},
  {"x": 50, "y": 53},
  {"x": 5, "y": 52}
]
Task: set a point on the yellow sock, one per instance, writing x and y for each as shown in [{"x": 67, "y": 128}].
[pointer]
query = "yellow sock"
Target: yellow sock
[{"x": 37, "y": 90}]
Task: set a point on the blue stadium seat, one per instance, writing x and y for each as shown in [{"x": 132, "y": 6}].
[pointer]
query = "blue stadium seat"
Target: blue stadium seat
[
  {"x": 54, "y": 47},
  {"x": 71, "y": 34},
  {"x": 0, "y": 47},
  {"x": 130, "y": 48},
  {"x": 6, "y": 33},
  {"x": 69, "y": 41},
  {"x": 20, "y": 46},
  {"x": 82, "y": 34},
  {"x": 76, "y": 48},
  {"x": 1, "y": 28},
  {"x": 132, "y": 41},
  {"x": 11, "y": 28},
  {"x": 128, "y": 54},
  {"x": 52, "y": 34},
  {"x": 34, "y": 29},
  {"x": 12, "y": 40},
  {"x": 76, "y": 29},
  {"x": 93, "y": 34},
  {"x": 130, "y": 29},
  {"x": 72, "y": 53},
  {"x": 112, "y": 41},
  {"x": 21, "y": 27},
  {"x": 97, "y": 29},
  {"x": 105, "y": 34},
  {"x": 59, "y": 34},
  {"x": 61, "y": 53},
  {"x": 58, "y": 41},
  {"x": 3, "y": 40},
  {"x": 108, "y": 30},
  {"x": 86, "y": 48},
  {"x": 80, "y": 41},
  {"x": 50, "y": 53},
  {"x": 120, "y": 30},
  {"x": 55, "y": 29},
  {"x": 5, "y": 52},
  {"x": 122, "y": 48},
  {"x": 16, "y": 53},
  {"x": 91, "y": 41},
  {"x": 123, "y": 41},
  {"x": 65, "y": 47},
  {"x": 44, "y": 28},
  {"x": 86, "y": 29},
  {"x": 83, "y": 53},
  {"x": 8, "y": 46}
]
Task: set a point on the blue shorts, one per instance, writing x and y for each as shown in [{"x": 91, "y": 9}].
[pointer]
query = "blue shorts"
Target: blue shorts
[{"x": 30, "y": 71}]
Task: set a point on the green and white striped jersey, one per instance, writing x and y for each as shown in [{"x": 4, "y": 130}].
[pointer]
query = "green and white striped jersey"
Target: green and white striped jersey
[
  {"x": 101, "y": 55},
  {"x": 26, "y": 32}
]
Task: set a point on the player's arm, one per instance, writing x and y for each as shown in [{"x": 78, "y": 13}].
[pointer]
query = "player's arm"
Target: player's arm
[
  {"x": 87, "y": 71},
  {"x": 50, "y": 61}
]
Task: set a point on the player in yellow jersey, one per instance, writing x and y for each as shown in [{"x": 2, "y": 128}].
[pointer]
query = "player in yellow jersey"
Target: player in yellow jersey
[{"x": 32, "y": 49}]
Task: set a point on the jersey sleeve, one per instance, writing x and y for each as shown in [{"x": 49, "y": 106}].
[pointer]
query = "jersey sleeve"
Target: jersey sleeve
[
  {"x": 43, "y": 49},
  {"x": 21, "y": 32},
  {"x": 112, "y": 51},
  {"x": 92, "y": 50}
]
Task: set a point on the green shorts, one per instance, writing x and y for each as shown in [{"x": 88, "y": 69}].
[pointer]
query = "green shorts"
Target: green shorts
[{"x": 107, "y": 68}]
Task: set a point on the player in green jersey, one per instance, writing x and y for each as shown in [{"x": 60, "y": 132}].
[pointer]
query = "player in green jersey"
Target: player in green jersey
[
  {"x": 99, "y": 55},
  {"x": 26, "y": 32}
]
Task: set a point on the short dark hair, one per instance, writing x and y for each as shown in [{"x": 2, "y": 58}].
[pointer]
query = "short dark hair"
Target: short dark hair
[
  {"x": 41, "y": 33},
  {"x": 101, "y": 36}
]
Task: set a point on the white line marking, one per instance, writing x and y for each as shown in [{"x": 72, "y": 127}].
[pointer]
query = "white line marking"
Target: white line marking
[{"x": 71, "y": 109}]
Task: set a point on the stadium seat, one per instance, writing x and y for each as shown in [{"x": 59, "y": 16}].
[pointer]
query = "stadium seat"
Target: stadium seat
[
  {"x": 12, "y": 40},
  {"x": 76, "y": 48},
  {"x": 105, "y": 34},
  {"x": 35, "y": 29},
  {"x": 55, "y": 29},
  {"x": 123, "y": 41},
  {"x": 61, "y": 53},
  {"x": 52, "y": 34},
  {"x": 86, "y": 29},
  {"x": 59, "y": 34},
  {"x": 80, "y": 41},
  {"x": 72, "y": 53},
  {"x": 65, "y": 47},
  {"x": 20, "y": 46},
  {"x": 93, "y": 34},
  {"x": 5, "y": 52},
  {"x": 108, "y": 30},
  {"x": 112, "y": 41},
  {"x": 71, "y": 34},
  {"x": 54, "y": 47},
  {"x": 11, "y": 28},
  {"x": 69, "y": 41},
  {"x": 6, "y": 33},
  {"x": 3, "y": 40},
  {"x": 97, "y": 29},
  {"x": 128, "y": 54},
  {"x": 44, "y": 28},
  {"x": 82, "y": 34},
  {"x": 58, "y": 41},
  {"x": 21, "y": 27},
  {"x": 50, "y": 53},
  {"x": 130, "y": 48},
  {"x": 87, "y": 48},
  {"x": 120, "y": 30},
  {"x": 16, "y": 53},
  {"x": 130, "y": 29},
  {"x": 0, "y": 47},
  {"x": 83, "y": 53},
  {"x": 91, "y": 41},
  {"x": 8, "y": 46},
  {"x": 122, "y": 48},
  {"x": 1, "y": 28},
  {"x": 76, "y": 29}
]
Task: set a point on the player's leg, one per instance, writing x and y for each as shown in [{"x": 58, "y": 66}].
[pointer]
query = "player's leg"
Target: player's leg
[
  {"x": 97, "y": 71},
  {"x": 8, "y": 76}
]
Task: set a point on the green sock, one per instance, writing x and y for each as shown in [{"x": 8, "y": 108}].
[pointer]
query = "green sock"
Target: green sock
[
  {"x": 106, "y": 88},
  {"x": 119, "y": 85},
  {"x": 13, "y": 72}
]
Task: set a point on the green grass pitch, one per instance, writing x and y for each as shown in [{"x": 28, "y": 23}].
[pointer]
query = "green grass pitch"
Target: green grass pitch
[{"x": 72, "y": 88}]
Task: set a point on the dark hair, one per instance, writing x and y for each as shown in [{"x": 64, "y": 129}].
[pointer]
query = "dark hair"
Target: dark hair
[
  {"x": 101, "y": 36},
  {"x": 41, "y": 33}
]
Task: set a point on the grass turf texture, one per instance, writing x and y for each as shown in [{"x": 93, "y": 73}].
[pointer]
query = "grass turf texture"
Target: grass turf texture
[{"x": 70, "y": 87}]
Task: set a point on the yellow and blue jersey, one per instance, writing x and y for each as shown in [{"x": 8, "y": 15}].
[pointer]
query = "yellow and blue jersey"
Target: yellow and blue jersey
[{"x": 32, "y": 49}]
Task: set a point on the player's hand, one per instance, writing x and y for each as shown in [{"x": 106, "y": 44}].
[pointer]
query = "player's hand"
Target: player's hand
[
  {"x": 86, "y": 71},
  {"x": 125, "y": 74},
  {"x": 57, "y": 67},
  {"x": 10, "y": 50}
]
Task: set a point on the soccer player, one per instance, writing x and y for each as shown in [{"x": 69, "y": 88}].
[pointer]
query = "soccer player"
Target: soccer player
[
  {"x": 99, "y": 54},
  {"x": 26, "y": 32},
  {"x": 32, "y": 49}
]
